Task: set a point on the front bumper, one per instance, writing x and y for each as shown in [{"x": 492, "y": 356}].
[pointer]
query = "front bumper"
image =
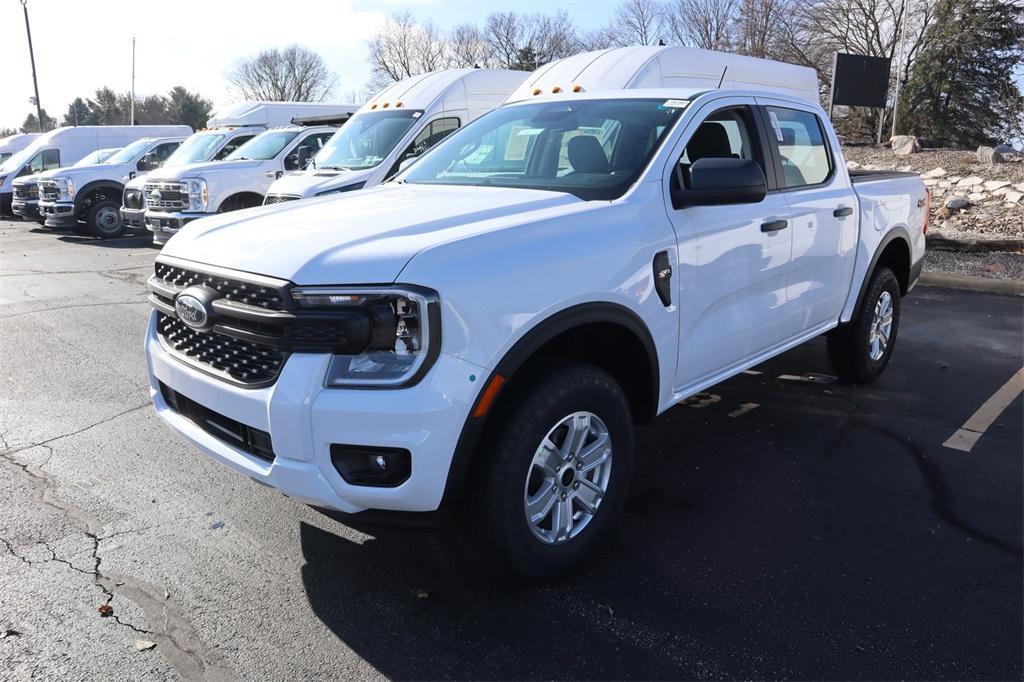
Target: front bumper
[
  {"x": 304, "y": 419},
  {"x": 165, "y": 225},
  {"x": 133, "y": 217},
  {"x": 27, "y": 209},
  {"x": 58, "y": 213}
]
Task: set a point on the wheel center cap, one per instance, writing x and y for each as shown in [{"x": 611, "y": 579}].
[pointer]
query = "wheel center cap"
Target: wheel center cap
[{"x": 568, "y": 476}]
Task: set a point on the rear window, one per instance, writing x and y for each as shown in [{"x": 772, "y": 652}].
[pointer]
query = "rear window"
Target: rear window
[{"x": 800, "y": 140}]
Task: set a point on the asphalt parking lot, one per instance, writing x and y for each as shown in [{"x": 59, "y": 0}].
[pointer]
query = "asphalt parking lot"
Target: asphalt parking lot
[{"x": 781, "y": 526}]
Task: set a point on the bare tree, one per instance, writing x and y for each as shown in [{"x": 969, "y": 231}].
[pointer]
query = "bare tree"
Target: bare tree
[
  {"x": 760, "y": 24},
  {"x": 468, "y": 47},
  {"x": 504, "y": 33},
  {"x": 706, "y": 24},
  {"x": 637, "y": 22},
  {"x": 294, "y": 73},
  {"x": 551, "y": 36}
]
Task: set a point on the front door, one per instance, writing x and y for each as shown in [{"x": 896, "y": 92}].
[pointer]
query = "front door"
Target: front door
[{"x": 733, "y": 259}]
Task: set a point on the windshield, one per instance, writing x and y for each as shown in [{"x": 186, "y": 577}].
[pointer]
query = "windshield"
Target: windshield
[
  {"x": 365, "y": 140},
  {"x": 594, "y": 149},
  {"x": 96, "y": 157},
  {"x": 264, "y": 146},
  {"x": 198, "y": 147},
  {"x": 19, "y": 159},
  {"x": 129, "y": 153},
  {"x": 4, "y": 156}
]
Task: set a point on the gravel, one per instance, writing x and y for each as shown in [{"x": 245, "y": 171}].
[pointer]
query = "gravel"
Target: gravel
[{"x": 993, "y": 265}]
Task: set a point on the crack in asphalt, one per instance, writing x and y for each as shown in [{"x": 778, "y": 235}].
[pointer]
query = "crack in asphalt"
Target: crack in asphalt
[
  {"x": 11, "y": 449},
  {"x": 70, "y": 307},
  {"x": 178, "y": 640}
]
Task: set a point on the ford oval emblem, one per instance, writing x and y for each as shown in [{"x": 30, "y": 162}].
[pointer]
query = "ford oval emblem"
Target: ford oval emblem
[
  {"x": 191, "y": 311},
  {"x": 155, "y": 195}
]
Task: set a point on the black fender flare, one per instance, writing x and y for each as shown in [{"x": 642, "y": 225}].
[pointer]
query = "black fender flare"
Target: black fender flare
[
  {"x": 96, "y": 184},
  {"x": 894, "y": 234},
  {"x": 520, "y": 352}
]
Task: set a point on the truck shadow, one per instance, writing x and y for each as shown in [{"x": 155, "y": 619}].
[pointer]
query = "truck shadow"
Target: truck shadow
[{"x": 799, "y": 539}]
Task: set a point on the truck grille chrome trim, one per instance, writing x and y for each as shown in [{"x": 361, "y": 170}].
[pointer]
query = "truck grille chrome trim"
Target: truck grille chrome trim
[
  {"x": 166, "y": 196},
  {"x": 48, "y": 190}
]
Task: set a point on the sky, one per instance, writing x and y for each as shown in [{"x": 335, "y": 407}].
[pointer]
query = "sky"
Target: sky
[{"x": 81, "y": 45}]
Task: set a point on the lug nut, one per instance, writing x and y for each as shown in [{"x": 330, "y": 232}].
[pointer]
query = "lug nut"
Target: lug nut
[
  {"x": 563, "y": 496},
  {"x": 576, "y": 486}
]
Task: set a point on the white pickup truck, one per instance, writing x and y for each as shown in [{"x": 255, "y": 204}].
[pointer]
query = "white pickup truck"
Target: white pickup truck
[
  {"x": 473, "y": 342},
  {"x": 177, "y": 196}
]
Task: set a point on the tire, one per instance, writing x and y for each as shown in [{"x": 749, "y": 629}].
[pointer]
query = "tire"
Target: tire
[
  {"x": 104, "y": 220},
  {"x": 494, "y": 528},
  {"x": 860, "y": 350}
]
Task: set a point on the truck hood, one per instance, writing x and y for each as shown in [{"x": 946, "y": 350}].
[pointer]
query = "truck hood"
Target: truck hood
[
  {"x": 365, "y": 237},
  {"x": 309, "y": 183},
  {"x": 27, "y": 180},
  {"x": 196, "y": 170},
  {"x": 83, "y": 174}
]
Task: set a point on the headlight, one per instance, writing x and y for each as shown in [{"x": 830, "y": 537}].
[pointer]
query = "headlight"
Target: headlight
[
  {"x": 198, "y": 196},
  {"x": 70, "y": 189},
  {"x": 404, "y": 338},
  {"x": 339, "y": 190}
]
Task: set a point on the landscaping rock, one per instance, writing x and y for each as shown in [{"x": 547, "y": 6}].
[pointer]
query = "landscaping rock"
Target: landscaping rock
[
  {"x": 903, "y": 145},
  {"x": 993, "y": 185},
  {"x": 970, "y": 181},
  {"x": 935, "y": 173},
  {"x": 955, "y": 202},
  {"x": 976, "y": 197},
  {"x": 1013, "y": 197}
]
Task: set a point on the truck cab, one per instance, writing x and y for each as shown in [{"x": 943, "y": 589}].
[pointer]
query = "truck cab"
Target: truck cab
[
  {"x": 92, "y": 194},
  {"x": 473, "y": 343},
  {"x": 25, "y": 203},
  {"x": 176, "y": 196},
  {"x": 397, "y": 125}
]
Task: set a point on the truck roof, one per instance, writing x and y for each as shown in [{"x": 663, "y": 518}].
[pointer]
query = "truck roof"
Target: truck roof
[
  {"x": 627, "y": 68},
  {"x": 269, "y": 114},
  {"x": 461, "y": 88}
]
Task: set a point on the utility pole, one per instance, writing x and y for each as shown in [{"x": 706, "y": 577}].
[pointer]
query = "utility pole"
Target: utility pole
[
  {"x": 32, "y": 58},
  {"x": 899, "y": 68},
  {"x": 132, "y": 120}
]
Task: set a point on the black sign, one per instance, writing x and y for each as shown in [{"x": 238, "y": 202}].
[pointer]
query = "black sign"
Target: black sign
[{"x": 860, "y": 81}]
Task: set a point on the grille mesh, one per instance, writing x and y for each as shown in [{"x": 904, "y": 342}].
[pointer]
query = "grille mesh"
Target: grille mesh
[
  {"x": 233, "y": 290},
  {"x": 279, "y": 198},
  {"x": 243, "y": 361}
]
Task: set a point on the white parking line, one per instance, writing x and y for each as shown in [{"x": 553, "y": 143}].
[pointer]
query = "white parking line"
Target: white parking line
[
  {"x": 974, "y": 428},
  {"x": 751, "y": 372},
  {"x": 743, "y": 409}
]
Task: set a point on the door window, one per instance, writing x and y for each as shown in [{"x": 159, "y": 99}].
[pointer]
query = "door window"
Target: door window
[
  {"x": 47, "y": 159},
  {"x": 432, "y": 133},
  {"x": 312, "y": 143},
  {"x": 231, "y": 146},
  {"x": 725, "y": 134},
  {"x": 800, "y": 140}
]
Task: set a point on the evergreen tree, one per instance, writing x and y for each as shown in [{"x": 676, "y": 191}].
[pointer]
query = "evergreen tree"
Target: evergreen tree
[
  {"x": 31, "y": 124},
  {"x": 187, "y": 107},
  {"x": 961, "y": 91},
  {"x": 107, "y": 108},
  {"x": 78, "y": 114},
  {"x": 526, "y": 59}
]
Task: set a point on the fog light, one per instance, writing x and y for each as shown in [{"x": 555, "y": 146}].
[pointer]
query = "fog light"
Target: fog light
[{"x": 371, "y": 466}]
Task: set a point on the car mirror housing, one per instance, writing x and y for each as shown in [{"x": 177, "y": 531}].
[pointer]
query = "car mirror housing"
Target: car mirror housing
[{"x": 718, "y": 181}]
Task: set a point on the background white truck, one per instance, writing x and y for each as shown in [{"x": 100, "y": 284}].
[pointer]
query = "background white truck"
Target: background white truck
[
  {"x": 91, "y": 195},
  {"x": 398, "y": 124},
  {"x": 15, "y": 143},
  {"x": 64, "y": 146},
  {"x": 227, "y": 130},
  {"x": 25, "y": 203},
  {"x": 179, "y": 195},
  {"x": 473, "y": 342}
]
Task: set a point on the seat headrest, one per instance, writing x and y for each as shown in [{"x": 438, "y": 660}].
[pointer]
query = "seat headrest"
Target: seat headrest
[
  {"x": 710, "y": 141},
  {"x": 586, "y": 155}
]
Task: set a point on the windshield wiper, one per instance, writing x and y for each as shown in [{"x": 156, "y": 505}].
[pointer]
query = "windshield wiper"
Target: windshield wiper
[{"x": 339, "y": 168}]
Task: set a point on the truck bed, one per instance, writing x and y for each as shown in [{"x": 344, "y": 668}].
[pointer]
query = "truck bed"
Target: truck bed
[{"x": 857, "y": 176}]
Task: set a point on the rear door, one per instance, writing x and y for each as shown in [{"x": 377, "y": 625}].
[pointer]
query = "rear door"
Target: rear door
[
  {"x": 824, "y": 221},
  {"x": 733, "y": 259}
]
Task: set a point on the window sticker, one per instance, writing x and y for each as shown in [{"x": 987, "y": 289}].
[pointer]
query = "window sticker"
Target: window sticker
[
  {"x": 775, "y": 126},
  {"x": 674, "y": 104}
]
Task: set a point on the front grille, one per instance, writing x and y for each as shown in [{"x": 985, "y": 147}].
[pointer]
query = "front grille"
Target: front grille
[
  {"x": 166, "y": 196},
  {"x": 244, "y": 437},
  {"x": 231, "y": 289},
  {"x": 238, "y": 360},
  {"x": 26, "y": 191},
  {"x": 134, "y": 199},
  {"x": 48, "y": 190},
  {"x": 279, "y": 198}
]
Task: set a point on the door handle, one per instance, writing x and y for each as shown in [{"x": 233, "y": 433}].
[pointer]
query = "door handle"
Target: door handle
[
  {"x": 842, "y": 212},
  {"x": 774, "y": 226}
]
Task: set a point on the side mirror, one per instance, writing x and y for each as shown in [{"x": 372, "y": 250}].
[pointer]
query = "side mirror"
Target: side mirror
[
  {"x": 406, "y": 162},
  {"x": 304, "y": 155},
  {"x": 721, "y": 181},
  {"x": 148, "y": 163}
]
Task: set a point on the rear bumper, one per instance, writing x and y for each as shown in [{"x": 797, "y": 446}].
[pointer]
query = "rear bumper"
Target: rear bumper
[
  {"x": 58, "y": 213},
  {"x": 304, "y": 419}
]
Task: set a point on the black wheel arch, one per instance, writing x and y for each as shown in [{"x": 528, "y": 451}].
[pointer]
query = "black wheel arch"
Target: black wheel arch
[
  {"x": 111, "y": 187},
  {"x": 894, "y": 252},
  {"x": 238, "y": 197},
  {"x": 639, "y": 375}
]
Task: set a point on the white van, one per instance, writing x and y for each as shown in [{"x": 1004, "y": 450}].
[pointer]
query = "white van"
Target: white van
[
  {"x": 26, "y": 188},
  {"x": 15, "y": 143},
  {"x": 226, "y": 131},
  {"x": 399, "y": 123},
  {"x": 64, "y": 146}
]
